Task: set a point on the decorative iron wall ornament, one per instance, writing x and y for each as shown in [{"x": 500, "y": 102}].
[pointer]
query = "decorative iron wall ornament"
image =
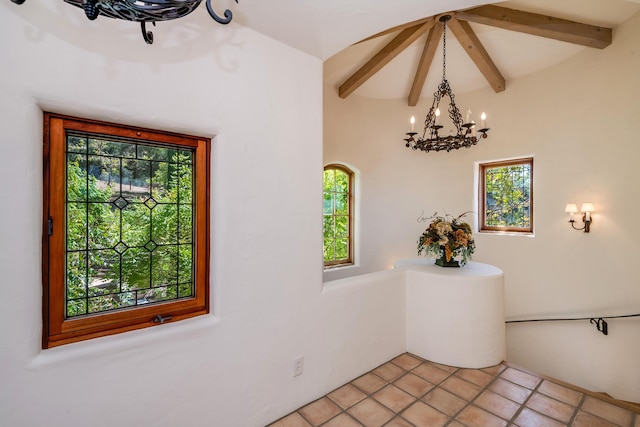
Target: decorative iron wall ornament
[
  {"x": 465, "y": 133},
  {"x": 144, "y": 11}
]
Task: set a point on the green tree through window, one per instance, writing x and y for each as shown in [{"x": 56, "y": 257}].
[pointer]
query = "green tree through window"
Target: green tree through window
[
  {"x": 506, "y": 201},
  {"x": 337, "y": 214}
]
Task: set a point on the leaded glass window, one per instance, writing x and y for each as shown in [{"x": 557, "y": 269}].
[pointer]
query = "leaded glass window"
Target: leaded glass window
[
  {"x": 337, "y": 215},
  {"x": 129, "y": 224},
  {"x": 126, "y": 240},
  {"x": 506, "y": 202}
]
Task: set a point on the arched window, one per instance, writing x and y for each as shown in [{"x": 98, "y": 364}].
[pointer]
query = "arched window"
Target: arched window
[{"x": 338, "y": 205}]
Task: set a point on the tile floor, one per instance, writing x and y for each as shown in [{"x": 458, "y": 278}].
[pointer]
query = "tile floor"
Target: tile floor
[{"x": 409, "y": 391}]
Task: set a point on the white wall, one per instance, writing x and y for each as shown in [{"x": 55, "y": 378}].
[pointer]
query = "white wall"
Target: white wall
[
  {"x": 261, "y": 103},
  {"x": 579, "y": 120}
]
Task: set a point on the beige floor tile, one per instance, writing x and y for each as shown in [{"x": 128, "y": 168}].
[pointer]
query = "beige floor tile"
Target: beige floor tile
[
  {"x": 430, "y": 373},
  {"x": 406, "y": 361},
  {"x": 455, "y": 424},
  {"x": 529, "y": 418},
  {"x": 413, "y": 385},
  {"x": 551, "y": 407},
  {"x": 293, "y": 420},
  {"x": 607, "y": 411},
  {"x": 394, "y": 398},
  {"x": 461, "y": 388},
  {"x": 497, "y": 405},
  {"x": 444, "y": 401},
  {"x": 422, "y": 415},
  {"x": 472, "y": 416},
  {"x": 509, "y": 390},
  {"x": 342, "y": 420},
  {"x": 522, "y": 378},
  {"x": 369, "y": 383},
  {"x": 584, "y": 419},
  {"x": 346, "y": 396},
  {"x": 389, "y": 372},
  {"x": 475, "y": 376},
  {"x": 319, "y": 411},
  {"x": 558, "y": 392},
  {"x": 370, "y": 413}
]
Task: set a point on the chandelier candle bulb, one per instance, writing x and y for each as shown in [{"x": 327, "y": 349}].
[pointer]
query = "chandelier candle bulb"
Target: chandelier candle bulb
[
  {"x": 483, "y": 117},
  {"x": 437, "y": 115},
  {"x": 468, "y": 116},
  {"x": 473, "y": 128},
  {"x": 413, "y": 123}
]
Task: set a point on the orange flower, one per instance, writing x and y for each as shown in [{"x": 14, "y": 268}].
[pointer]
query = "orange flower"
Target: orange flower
[
  {"x": 461, "y": 238},
  {"x": 448, "y": 253}
]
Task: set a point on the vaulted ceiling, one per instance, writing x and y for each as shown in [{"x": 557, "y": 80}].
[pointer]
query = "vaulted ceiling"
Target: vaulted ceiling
[
  {"x": 458, "y": 22},
  {"x": 486, "y": 46}
]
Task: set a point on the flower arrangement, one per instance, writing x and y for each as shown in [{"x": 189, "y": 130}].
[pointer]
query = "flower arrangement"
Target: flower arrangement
[{"x": 447, "y": 237}]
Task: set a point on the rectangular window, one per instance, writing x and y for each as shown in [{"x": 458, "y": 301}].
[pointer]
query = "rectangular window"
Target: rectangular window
[
  {"x": 126, "y": 228},
  {"x": 506, "y": 196}
]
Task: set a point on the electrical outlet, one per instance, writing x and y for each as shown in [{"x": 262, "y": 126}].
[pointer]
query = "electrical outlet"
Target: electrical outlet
[{"x": 298, "y": 366}]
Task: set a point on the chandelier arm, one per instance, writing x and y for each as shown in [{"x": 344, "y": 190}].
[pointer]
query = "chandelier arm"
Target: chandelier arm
[
  {"x": 227, "y": 14},
  {"x": 18, "y": 1},
  {"x": 147, "y": 35}
]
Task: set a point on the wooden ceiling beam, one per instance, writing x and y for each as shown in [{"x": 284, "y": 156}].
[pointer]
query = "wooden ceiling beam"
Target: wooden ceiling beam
[
  {"x": 478, "y": 54},
  {"x": 383, "y": 57},
  {"x": 396, "y": 29},
  {"x": 425, "y": 63},
  {"x": 539, "y": 25}
]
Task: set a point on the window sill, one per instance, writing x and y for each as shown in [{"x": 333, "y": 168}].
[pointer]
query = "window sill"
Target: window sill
[
  {"x": 338, "y": 267},
  {"x": 99, "y": 347},
  {"x": 507, "y": 233}
]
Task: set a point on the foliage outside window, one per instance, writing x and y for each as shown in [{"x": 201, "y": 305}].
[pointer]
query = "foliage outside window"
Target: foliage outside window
[
  {"x": 338, "y": 216},
  {"x": 126, "y": 228},
  {"x": 506, "y": 196}
]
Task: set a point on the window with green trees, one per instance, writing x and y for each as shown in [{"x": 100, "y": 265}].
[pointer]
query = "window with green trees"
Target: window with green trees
[
  {"x": 126, "y": 228},
  {"x": 506, "y": 196},
  {"x": 338, "y": 215}
]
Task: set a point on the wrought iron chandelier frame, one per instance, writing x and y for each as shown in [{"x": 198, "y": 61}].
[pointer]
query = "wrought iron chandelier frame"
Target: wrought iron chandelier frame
[
  {"x": 144, "y": 11},
  {"x": 431, "y": 140}
]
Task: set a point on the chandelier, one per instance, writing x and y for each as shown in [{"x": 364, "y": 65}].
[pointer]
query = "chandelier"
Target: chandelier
[
  {"x": 143, "y": 11},
  {"x": 465, "y": 132}
]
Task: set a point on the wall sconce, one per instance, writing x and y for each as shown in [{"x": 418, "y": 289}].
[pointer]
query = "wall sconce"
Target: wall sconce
[{"x": 586, "y": 209}]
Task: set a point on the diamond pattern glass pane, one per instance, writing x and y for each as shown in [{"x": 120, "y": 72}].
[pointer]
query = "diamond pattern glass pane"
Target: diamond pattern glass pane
[{"x": 129, "y": 224}]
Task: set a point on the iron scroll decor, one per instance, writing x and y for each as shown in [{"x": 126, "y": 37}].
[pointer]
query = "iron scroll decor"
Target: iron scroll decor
[{"x": 144, "y": 11}]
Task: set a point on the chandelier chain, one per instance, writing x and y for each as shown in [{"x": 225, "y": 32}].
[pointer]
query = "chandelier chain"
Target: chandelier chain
[{"x": 444, "y": 50}]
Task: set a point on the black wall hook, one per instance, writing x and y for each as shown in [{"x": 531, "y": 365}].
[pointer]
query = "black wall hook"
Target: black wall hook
[{"x": 601, "y": 325}]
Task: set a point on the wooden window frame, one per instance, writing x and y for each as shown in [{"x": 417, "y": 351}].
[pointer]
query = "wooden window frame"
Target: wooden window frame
[
  {"x": 482, "y": 226},
  {"x": 351, "y": 198},
  {"x": 58, "y": 330}
]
